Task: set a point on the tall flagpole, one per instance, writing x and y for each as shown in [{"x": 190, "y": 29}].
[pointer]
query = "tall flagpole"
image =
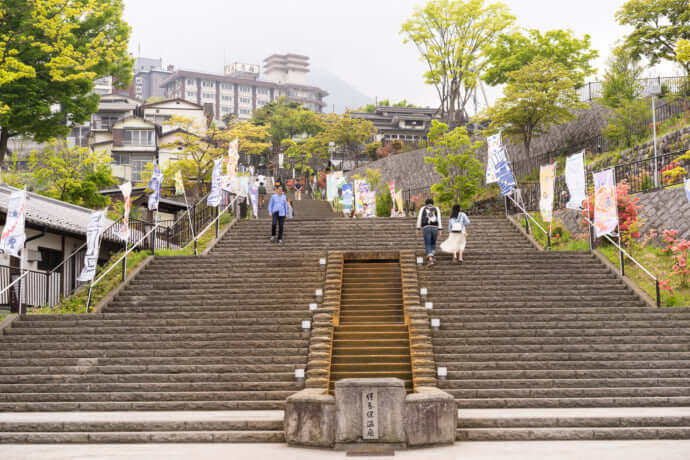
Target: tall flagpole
[{"x": 189, "y": 214}]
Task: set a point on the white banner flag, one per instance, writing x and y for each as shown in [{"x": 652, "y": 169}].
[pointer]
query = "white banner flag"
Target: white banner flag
[
  {"x": 575, "y": 180},
  {"x": 126, "y": 190},
  {"x": 547, "y": 178},
  {"x": 493, "y": 144},
  {"x": 93, "y": 242},
  {"x": 216, "y": 182},
  {"x": 13, "y": 234},
  {"x": 605, "y": 203}
]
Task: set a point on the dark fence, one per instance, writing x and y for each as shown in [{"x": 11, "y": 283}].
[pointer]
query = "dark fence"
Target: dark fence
[
  {"x": 37, "y": 288},
  {"x": 671, "y": 85},
  {"x": 598, "y": 143}
]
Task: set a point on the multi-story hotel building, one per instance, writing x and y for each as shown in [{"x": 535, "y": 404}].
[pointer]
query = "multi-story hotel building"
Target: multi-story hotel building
[{"x": 243, "y": 89}]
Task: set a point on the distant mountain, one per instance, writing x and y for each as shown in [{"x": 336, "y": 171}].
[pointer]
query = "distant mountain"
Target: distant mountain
[{"x": 341, "y": 94}]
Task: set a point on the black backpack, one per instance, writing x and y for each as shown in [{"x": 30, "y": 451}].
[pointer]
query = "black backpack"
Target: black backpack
[{"x": 429, "y": 216}]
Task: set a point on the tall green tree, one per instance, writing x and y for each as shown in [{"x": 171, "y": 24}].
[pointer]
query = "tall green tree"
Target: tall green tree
[
  {"x": 621, "y": 79},
  {"x": 371, "y": 108},
  {"x": 513, "y": 51},
  {"x": 683, "y": 51},
  {"x": 349, "y": 134},
  {"x": 452, "y": 37},
  {"x": 51, "y": 51},
  {"x": 72, "y": 174},
  {"x": 538, "y": 96},
  {"x": 657, "y": 25},
  {"x": 285, "y": 120},
  {"x": 455, "y": 161}
]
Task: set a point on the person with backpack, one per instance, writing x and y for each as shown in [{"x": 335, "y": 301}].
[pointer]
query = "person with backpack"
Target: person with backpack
[
  {"x": 457, "y": 234},
  {"x": 429, "y": 221},
  {"x": 278, "y": 209}
]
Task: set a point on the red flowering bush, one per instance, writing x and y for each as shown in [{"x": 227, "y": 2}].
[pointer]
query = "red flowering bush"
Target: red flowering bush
[
  {"x": 680, "y": 261},
  {"x": 670, "y": 239},
  {"x": 628, "y": 210}
]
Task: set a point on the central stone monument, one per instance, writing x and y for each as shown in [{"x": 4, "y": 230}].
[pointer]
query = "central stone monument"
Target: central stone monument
[{"x": 374, "y": 412}]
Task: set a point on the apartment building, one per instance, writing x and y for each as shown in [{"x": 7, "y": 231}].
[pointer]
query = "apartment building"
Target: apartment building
[
  {"x": 406, "y": 124},
  {"x": 242, "y": 89}
]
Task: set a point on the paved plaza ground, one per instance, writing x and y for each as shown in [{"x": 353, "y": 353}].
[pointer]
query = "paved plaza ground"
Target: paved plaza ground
[{"x": 556, "y": 450}]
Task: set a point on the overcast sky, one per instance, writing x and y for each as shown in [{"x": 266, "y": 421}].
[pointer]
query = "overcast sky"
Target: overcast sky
[{"x": 357, "y": 40}]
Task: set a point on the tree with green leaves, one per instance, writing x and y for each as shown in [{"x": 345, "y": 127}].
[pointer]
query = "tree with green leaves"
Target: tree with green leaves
[
  {"x": 454, "y": 159},
  {"x": 349, "y": 134},
  {"x": 51, "y": 51},
  {"x": 537, "y": 97},
  {"x": 72, "y": 174},
  {"x": 621, "y": 79},
  {"x": 515, "y": 50},
  {"x": 657, "y": 25},
  {"x": 371, "y": 108},
  {"x": 253, "y": 139},
  {"x": 683, "y": 52},
  {"x": 285, "y": 120},
  {"x": 452, "y": 37}
]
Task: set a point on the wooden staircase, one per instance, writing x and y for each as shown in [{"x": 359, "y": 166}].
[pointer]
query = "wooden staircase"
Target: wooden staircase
[{"x": 371, "y": 338}]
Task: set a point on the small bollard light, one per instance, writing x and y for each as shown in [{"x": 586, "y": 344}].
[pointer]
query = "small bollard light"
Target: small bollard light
[
  {"x": 313, "y": 306},
  {"x": 318, "y": 294},
  {"x": 429, "y": 305},
  {"x": 420, "y": 260},
  {"x": 306, "y": 325},
  {"x": 322, "y": 263},
  {"x": 442, "y": 372},
  {"x": 299, "y": 373},
  {"x": 435, "y": 323},
  {"x": 423, "y": 292}
]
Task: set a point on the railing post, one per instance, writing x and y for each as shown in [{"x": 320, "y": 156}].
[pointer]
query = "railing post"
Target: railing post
[
  {"x": 505, "y": 204},
  {"x": 526, "y": 224},
  {"x": 167, "y": 237},
  {"x": 548, "y": 241},
  {"x": 217, "y": 220},
  {"x": 124, "y": 263},
  {"x": 195, "y": 250},
  {"x": 47, "y": 277},
  {"x": 88, "y": 299},
  {"x": 658, "y": 295}
]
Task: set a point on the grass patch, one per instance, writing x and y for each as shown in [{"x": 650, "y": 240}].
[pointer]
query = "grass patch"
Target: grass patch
[
  {"x": 202, "y": 244},
  {"x": 3, "y": 316},
  {"x": 561, "y": 238},
  {"x": 76, "y": 304}
]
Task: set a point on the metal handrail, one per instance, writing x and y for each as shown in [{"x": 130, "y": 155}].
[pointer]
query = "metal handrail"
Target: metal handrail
[
  {"x": 622, "y": 253},
  {"x": 528, "y": 216},
  {"x": 216, "y": 221},
  {"x": 6, "y": 288},
  {"x": 82, "y": 247},
  {"x": 100, "y": 277}
]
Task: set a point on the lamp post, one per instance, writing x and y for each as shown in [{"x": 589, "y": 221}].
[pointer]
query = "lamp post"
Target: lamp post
[{"x": 653, "y": 89}]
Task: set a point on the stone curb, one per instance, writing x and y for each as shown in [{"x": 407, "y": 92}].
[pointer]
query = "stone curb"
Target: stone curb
[
  {"x": 628, "y": 282},
  {"x": 7, "y": 322},
  {"x": 529, "y": 237},
  {"x": 114, "y": 292},
  {"x": 222, "y": 233}
]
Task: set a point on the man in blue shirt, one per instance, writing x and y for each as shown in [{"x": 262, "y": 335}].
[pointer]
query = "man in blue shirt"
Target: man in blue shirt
[{"x": 278, "y": 208}]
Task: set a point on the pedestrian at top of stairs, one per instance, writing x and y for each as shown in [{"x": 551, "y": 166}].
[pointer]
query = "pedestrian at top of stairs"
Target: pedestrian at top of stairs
[
  {"x": 278, "y": 209},
  {"x": 291, "y": 210},
  {"x": 457, "y": 233},
  {"x": 429, "y": 221}
]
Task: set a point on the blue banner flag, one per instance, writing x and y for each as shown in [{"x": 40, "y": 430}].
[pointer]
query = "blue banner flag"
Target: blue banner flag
[
  {"x": 216, "y": 180},
  {"x": 504, "y": 177}
]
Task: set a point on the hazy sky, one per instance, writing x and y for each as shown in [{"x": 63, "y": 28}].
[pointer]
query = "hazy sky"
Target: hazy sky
[{"x": 357, "y": 40}]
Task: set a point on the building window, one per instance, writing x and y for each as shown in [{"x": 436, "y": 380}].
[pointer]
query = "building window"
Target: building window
[
  {"x": 138, "y": 137},
  {"x": 50, "y": 258},
  {"x": 227, "y": 86},
  {"x": 208, "y": 84},
  {"x": 245, "y": 89},
  {"x": 226, "y": 98},
  {"x": 120, "y": 159},
  {"x": 191, "y": 94},
  {"x": 208, "y": 95},
  {"x": 138, "y": 167},
  {"x": 262, "y": 90},
  {"x": 245, "y": 100},
  {"x": 104, "y": 122},
  {"x": 244, "y": 111},
  {"x": 226, "y": 109},
  {"x": 190, "y": 81}
]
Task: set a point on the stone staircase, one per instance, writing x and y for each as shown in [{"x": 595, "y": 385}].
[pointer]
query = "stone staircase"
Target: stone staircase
[
  {"x": 537, "y": 345},
  {"x": 306, "y": 208},
  {"x": 534, "y": 330},
  {"x": 372, "y": 339}
]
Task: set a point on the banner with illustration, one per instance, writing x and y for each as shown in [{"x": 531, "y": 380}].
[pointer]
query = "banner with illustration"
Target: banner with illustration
[
  {"x": 369, "y": 204},
  {"x": 93, "y": 241},
  {"x": 362, "y": 189},
  {"x": 13, "y": 233},
  {"x": 155, "y": 185},
  {"x": 233, "y": 157},
  {"x": 575, "y": 180},
  {"x": 346, "y": 199},
  {"x": 216, "y": 182},
  {"x": 126, "y": 189},
  {"x": 399, "y": 201},
  {"x": 504, "y": 177},
  {"x": 494, "y": 154},
  {"x": 605, "y": 203},
  {"x": 687, "y": 189},
  {"x": 547, "y": 178},
  {"x": 243, "y": 186}
]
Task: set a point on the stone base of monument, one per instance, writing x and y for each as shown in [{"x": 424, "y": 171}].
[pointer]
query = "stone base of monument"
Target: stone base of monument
[{"x": 370, "y": 412}]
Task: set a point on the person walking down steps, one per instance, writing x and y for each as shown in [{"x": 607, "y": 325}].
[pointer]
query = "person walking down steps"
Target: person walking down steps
[
  {"x": 429, "y": 221},
  {"x": 278, "y": 209},
  {"x": 457, "y": 234}
]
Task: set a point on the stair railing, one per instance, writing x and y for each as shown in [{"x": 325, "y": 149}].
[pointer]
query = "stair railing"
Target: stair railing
[
  {"x": 622, "y": 254},
  {"x": 120, "y": 259},
  {"x": 215, "y": 221},
  {"x": 529, "y": 218}
]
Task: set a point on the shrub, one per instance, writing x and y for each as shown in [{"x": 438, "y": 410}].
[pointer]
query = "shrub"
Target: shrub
[{"x": 384, "y": 203}]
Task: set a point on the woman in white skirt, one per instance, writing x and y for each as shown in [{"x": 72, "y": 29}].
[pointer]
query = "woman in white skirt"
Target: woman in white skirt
[{"x": 457, "y": 234}]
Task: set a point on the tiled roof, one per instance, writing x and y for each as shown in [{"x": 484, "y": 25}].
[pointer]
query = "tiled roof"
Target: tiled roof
[{"x": 53, "y": 214}]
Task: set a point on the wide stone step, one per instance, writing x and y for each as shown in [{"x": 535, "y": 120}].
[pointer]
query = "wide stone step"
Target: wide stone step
[
  {"x": 191, "y": 405},
  {"x": 568, "y": 392},
  {"x": 574, "y": 364},
  {"x": 572, "y": 433},
  {"x": 134, "y": 396},
  {"x": 447, "y": 338},
  {"x": 500, "y": 384},
  {"x": 568, "y": 402},
  {"x": 571, "y": 356},
  {"x": 132, "y": 437},
  {"x": 148, "y": 387},
  {"x": 150, "y": 369},
  {"x": 603, "y": 373}
]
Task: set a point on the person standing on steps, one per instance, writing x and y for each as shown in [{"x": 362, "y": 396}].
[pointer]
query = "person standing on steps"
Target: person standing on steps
[
  {"x": 457, "y": 234},
  {"x": 298, "y": 190},
  {"x": 278, "y": 209},
  {"x": 262, "y": 194},
  {"x": 429, "y": 221}
]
